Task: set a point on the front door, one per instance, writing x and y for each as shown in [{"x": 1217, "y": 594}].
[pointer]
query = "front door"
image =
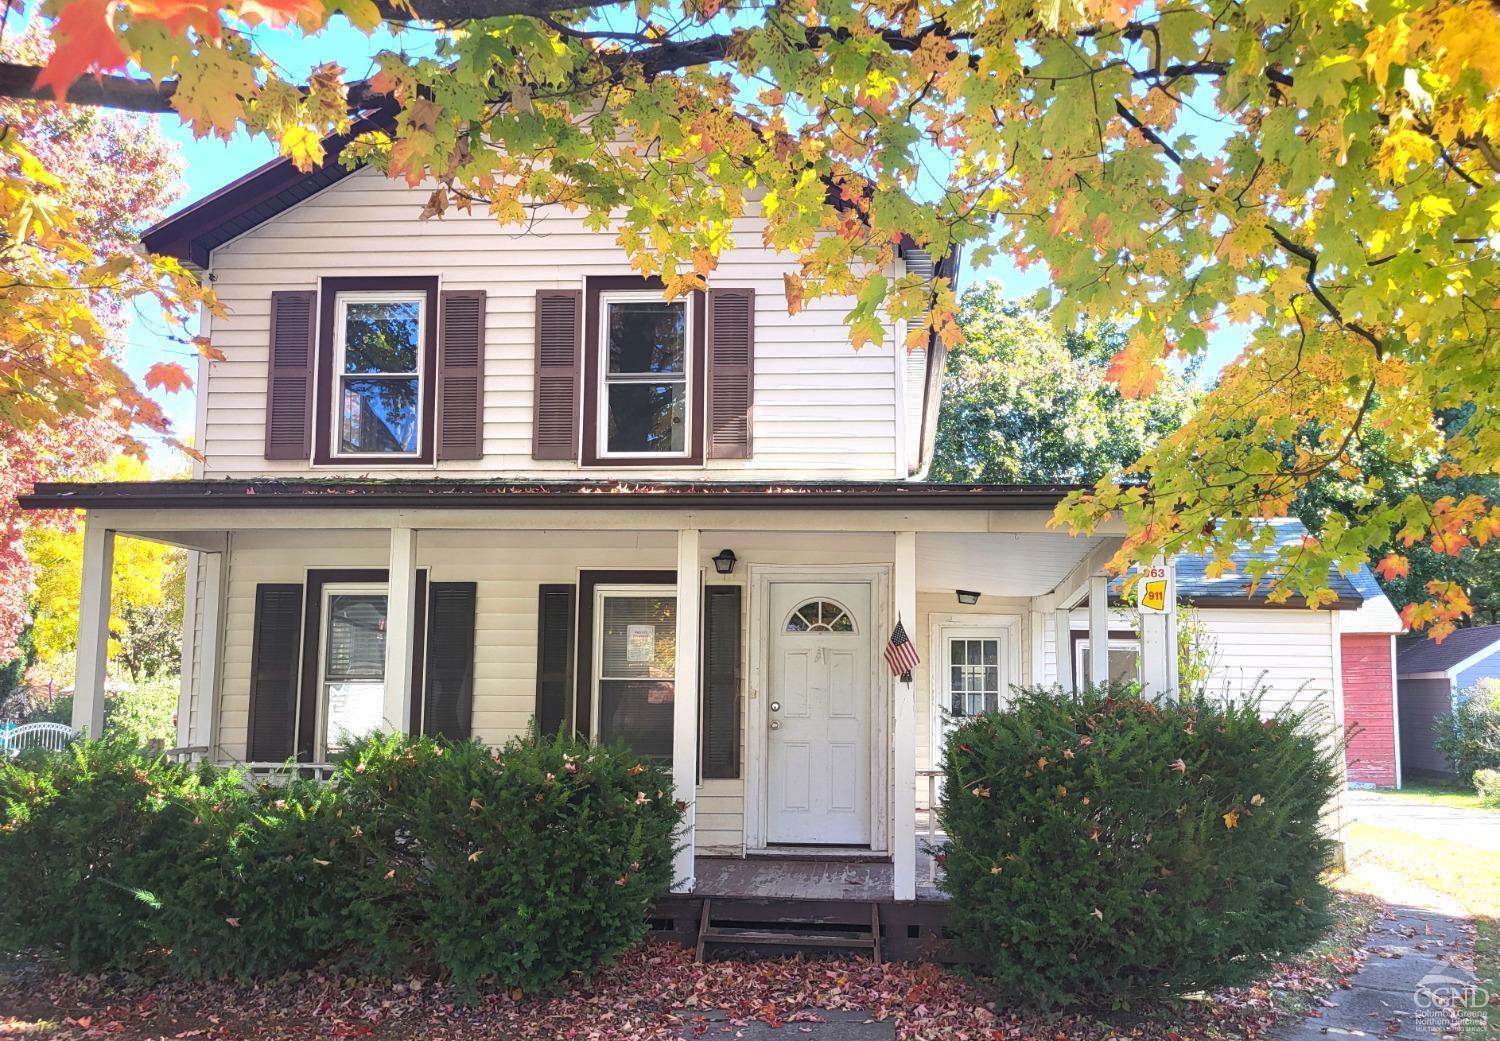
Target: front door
[{"x": 818, "y": 745}]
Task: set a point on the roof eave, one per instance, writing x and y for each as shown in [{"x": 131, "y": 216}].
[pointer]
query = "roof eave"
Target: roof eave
[{"x": 586, "y": 495}]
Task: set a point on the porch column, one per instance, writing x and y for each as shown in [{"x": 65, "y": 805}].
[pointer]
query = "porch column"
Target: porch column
[
  {"x": 1063, "y": 621},
  {"x": 400, "y": 630},
  {"x": 93, "y": 628},
  {"x": 685, "y": 705},
  {"x": 904, "y": 729},
  {"x": 210, "y": 640},
  {"x": 1159, "y": 652},
  {"x": 1098, "y": 629}
]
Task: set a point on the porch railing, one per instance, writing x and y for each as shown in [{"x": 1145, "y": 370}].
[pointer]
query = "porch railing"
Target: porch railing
[{"x": 931, "y": 776}]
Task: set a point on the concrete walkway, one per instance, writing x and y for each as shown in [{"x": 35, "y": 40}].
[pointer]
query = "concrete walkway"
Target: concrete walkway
[
  {"x": 1477, "y": 828},
  {"x": 1413, "y": 955},
  {"x": 822, "y": 1025}
]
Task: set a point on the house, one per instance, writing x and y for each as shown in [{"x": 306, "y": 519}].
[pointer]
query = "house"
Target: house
[
  {"x": 1342, "y": 654},
  {"x": 1430, "y": 675},
  {"x": 456, "y": 477}
]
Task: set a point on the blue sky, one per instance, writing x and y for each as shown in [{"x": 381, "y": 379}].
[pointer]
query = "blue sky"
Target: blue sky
[{"x": 210, "y": 163}]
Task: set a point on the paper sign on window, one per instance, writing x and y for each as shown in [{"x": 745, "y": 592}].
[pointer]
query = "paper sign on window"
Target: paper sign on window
[
  {"x": 1153, "y": 589},
  {"x": 640, "y": 643}
]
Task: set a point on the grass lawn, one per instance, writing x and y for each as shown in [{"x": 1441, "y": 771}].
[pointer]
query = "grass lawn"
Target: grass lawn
[
  {"x": 1469, "y": 875},
  {"x": 1438, "y": 795}
]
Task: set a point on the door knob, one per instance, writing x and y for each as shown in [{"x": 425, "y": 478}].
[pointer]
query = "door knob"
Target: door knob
[
  {"x": 775, "y": 724},
  {"x": 775, "y": 706}
]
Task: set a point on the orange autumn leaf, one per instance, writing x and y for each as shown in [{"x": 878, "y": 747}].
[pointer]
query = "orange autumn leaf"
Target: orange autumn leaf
[
  {"x": 84, "y": 41},
  {"x": 1393, "y": 565},
  {"x": 168, "y": 376}
]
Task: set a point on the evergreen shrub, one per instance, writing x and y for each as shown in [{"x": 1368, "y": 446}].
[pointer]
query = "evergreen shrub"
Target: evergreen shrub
[
  {"x": 1105, "y": 849},
  {"x": 506, "y": 868}
]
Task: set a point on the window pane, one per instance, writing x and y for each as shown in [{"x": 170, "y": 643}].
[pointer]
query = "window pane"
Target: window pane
[
  {"x": 640, "y": 638},
  {"x": 638, "y": 712},
  {"x": 956, "y": 652},
  {"x": 647, "y": 417},
  {"x": 1122, "y": 665},
  {"x": 647, "y": 336},
  {"x": 354, "y": 710},
  {"x": 381, "y": 336},
  {"x": 991, "y": 652},
  {"x": 379, "y": 415},
  {"x": 356, "y": 637}
]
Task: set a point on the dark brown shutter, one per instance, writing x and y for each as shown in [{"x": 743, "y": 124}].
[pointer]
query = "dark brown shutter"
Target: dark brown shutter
[
  {"x": 555, "y": 420},
  {"x": 449, "y": 708},
  {"x": 460, "y": 390},
  {"x": 731, "y": 372},
  {"x": 274, "y": 656},
  {"x": 721, "y": 681},
  {"x": 554, "y": 655},
  {"x": 289, "y": 379}
]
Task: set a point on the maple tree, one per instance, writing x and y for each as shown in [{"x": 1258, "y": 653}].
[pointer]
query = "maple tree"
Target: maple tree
[
  {"x": 75, "y": 184},
  {"x": 1328, "y": 175}
]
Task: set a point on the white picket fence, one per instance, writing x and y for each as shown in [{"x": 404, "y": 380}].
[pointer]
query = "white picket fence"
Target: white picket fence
[{"x": 54, "y": 737}]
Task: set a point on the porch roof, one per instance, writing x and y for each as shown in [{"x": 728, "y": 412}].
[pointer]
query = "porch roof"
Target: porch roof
[{"x": 341, "y": 493}]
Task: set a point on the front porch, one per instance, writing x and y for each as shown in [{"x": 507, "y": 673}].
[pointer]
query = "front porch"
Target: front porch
[{"x": 737, "y": 701}]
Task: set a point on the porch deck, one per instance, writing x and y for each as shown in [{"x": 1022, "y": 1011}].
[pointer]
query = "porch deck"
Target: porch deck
[
  {"x": 807, "y": 893},
  {"x": 766, "y": 878}
]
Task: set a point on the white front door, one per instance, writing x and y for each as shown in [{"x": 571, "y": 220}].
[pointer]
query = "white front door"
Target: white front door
[{"x": 820, "y": 697}]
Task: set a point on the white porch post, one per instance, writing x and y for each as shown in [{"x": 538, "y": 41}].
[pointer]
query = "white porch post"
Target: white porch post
[
  {"x": 1159, "y": 652},
  {"x": 1098, "y": 629},
  {"x": 210, "y": 641},
  {"x": 93, "y": 628},
  {"x": 1063, "y": 621},
  {"x": 904, "y": 730},
  {"x": 400, "y": 629},
  {"x": 685, "y": 705}
]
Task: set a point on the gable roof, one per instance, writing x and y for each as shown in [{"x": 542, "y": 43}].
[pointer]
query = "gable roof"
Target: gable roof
[
  {"x": 193, "y": 232},
  {"x": 1232, "y": 589},
  {"x": 1424, "y": 654}
]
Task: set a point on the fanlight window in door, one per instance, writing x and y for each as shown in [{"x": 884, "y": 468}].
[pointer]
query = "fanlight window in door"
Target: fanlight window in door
[{"x": 820, "y": 616}]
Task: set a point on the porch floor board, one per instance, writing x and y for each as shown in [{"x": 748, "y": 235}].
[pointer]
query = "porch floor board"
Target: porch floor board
[{"x": 761, "y": 878}]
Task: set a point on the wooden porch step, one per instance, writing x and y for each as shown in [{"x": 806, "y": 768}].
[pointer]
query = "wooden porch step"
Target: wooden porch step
[
  {"x": 784, "y": 930},
  {"x": 789, "y": 938}
]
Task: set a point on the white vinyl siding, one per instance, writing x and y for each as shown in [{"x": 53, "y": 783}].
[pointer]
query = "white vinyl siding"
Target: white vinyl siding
[{"x": 822, "y": 409}]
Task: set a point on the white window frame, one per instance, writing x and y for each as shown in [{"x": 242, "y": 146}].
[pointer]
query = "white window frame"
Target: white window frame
[
  {"x": 1081, "y": 655},
  {"x": 330, "y": 590},
  {"x": 602, "y": 383},
  {"x": 965, "y": 627},
  {"x": 336, "y": 406},
  {"x": 596, "y": 660}
]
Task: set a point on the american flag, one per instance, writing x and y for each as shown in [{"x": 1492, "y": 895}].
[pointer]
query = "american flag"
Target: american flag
[{"x": 901, "y": 653}]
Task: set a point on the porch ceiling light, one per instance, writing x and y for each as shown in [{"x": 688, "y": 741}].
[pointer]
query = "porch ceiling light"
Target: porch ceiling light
[
  {"x": 967, "y": 596},
  {"x": 724, "y": 561}
]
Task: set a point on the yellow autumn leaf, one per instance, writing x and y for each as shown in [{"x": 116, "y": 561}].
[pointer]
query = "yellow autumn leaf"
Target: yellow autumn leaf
[{"x": 1232, "y": 819}]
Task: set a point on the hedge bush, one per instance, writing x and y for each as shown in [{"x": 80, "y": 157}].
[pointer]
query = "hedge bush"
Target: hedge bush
[
  {"x": 518, "y": 864},
  {"x": 84, "y": 836},
  {"x": 1103, "y": 848},
  {"x": 1487, "y": 784},
  {"x": 504, "y": 867},
  {"x": 1469, "y": 738}
]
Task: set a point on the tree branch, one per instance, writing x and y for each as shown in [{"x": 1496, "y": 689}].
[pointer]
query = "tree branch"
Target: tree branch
[{"x": 130, "y": 94}]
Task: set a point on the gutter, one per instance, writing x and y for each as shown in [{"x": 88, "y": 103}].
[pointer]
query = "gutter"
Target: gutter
[{"x": 587, "y": 495}]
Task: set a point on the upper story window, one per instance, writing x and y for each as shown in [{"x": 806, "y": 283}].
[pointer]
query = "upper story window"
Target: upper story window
[
  {"x": 378, "y": 363},
  {"x": 378, "y": 360},
  {"x": 645, "y": 377}
]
